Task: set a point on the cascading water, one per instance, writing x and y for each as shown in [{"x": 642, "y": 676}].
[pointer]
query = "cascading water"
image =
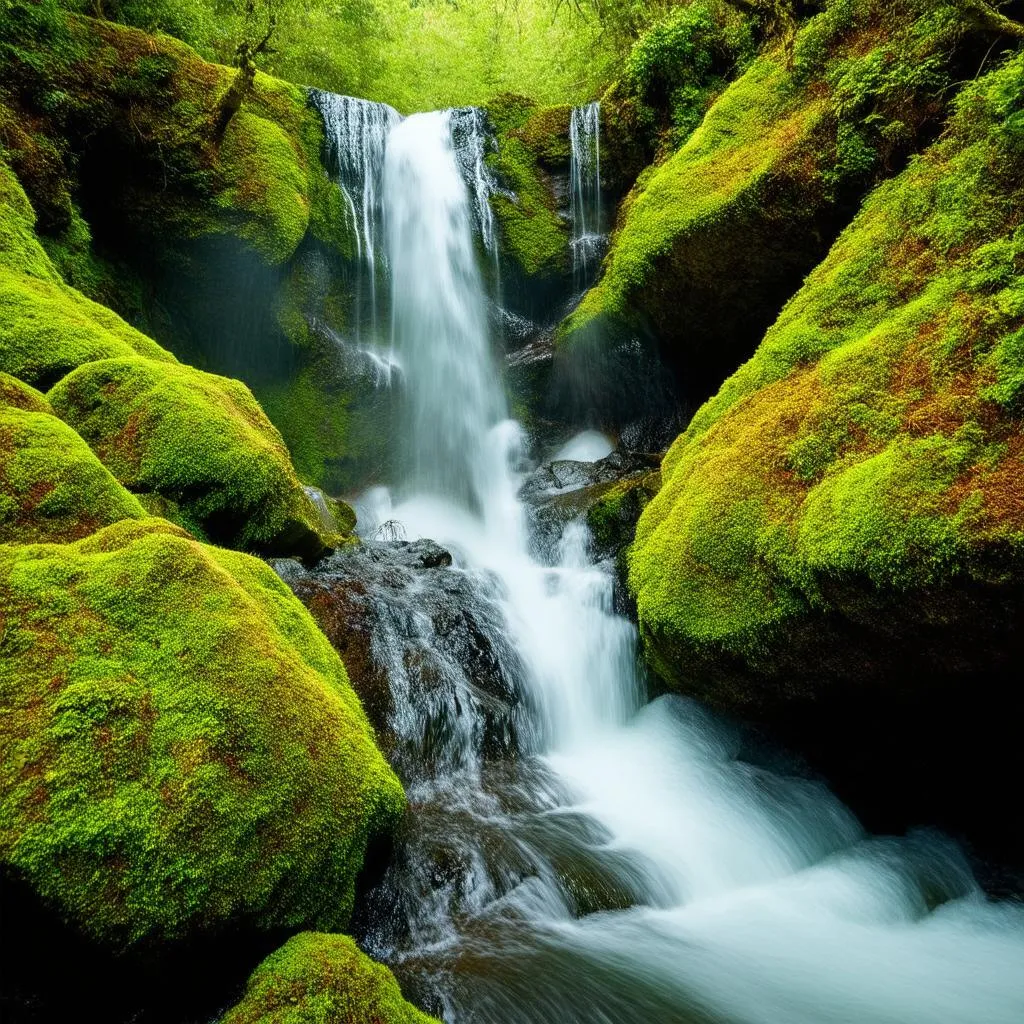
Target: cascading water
[
  {"x": 356, "y": 132},
  {"x": 585, "y": 193},
  {"x": 623, "y": 863}
]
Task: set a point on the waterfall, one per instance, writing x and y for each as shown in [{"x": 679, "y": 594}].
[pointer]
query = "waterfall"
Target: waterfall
[
  {"x": 439, "y": 311},
  {"x": 585, "y": 193},
  {"x": 624, "y": 863},
  {"x": 356, "y": 132},
  {"x": 472, "y": 142}
]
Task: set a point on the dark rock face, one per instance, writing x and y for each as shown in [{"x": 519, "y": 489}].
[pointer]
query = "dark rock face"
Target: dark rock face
[
  {"x": 426, "y": 648},
  {"x": 561, "y": 491}
]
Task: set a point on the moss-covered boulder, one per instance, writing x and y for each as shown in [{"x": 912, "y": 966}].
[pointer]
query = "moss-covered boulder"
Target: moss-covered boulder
[
  {"x": 198, "y": 440},
  {"x": 713, "y": 240},
  {"x": 848, "y": 511},
  {"x": 48, "y": 329},
  {"x": 323, "y": 979},
  {"x": 15, "y": 394},
  {"x": 532, "y": 145},
  {"x": 52, "y": 486},
  {"x": 182, "y": 748}
]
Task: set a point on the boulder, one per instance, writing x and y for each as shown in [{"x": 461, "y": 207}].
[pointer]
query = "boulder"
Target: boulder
[
  {"x": 316, "y": 978},
  {"x": 52, "y": 486},
  {"x": 183, "y": 750},
  {"x": 200, "y": 441}
]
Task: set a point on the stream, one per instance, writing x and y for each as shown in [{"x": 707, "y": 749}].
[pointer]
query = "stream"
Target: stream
[{"x": 573, "y": 851}]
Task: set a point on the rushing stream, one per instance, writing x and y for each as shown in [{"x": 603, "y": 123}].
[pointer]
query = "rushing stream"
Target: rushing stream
[{"x": 594, "y": 857}]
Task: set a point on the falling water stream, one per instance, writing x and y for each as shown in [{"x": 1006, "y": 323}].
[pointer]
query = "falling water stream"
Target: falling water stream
[{"x": 619, "y": 861}]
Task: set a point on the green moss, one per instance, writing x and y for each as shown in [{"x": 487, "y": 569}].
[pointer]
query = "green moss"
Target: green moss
[
  {"x": 18, "y": 395},
  {"x": 732, "y": 220},
  {"x": 199, "y": 440},
  {"x": 533, "y": 234},
  {"x": 183, "y": 748},
  {"x": 52, "y": 487},
  {"x": 20, "y": 250},
  {"x": 48, "y": 329},
  {"x": 322, "y": 979},
  {"x": 265, "y": 181},
  {"x": 612, "y": 517},
  {"x": 871, "y": 447}
]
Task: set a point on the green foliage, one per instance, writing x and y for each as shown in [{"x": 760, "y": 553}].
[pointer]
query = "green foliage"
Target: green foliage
[
  {"x": 196, "y": 439},
  {"x": 52, "y": 487},
  {"x": 874, "y": 435},
  {"x": 183, "y": 749},
  {"x": 321, "y": 979},
  {"x": 682, "y": 61}
]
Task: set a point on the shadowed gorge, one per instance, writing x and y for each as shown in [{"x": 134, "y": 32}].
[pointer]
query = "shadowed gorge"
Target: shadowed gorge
[{"x": 511, "y": 512}]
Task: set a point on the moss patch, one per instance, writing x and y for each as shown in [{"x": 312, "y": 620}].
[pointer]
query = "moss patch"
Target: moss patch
[
  {"x": 52, "y": 487},
  {"x": 183, "y": 747},
  {"x": 16, "y": 394},
  {"x": 323, "y": 979},
  {"x": 199, "y": 440},
  {"x": 869, "y": 454},
  {"x": 530, "y": 140}
]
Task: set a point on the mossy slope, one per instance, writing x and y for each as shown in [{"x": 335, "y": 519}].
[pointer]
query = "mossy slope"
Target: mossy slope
[
  {"x": 183, "y": 747},
  {"x": 851, "y": 499},
  {"x": 714, "y": 239},
  {"x": 201, "y": 241},
  {"x": 52, "y": 487},
  {"x": 322, "y": 979}
]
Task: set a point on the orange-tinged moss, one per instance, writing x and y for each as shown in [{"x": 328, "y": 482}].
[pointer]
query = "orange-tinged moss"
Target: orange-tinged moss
[
  {"x": 52, "y": 487},
  {"x": 872, "y": 441},
  {"x": 198, "y": 440}
]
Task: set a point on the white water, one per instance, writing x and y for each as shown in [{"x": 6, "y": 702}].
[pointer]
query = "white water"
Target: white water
[
  {"x": 585, "y": 193},
  {"x": 356, "y": 132},
  {"x": 751, "y": 897}
]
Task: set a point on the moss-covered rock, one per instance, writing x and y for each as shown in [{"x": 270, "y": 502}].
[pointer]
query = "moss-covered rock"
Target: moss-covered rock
[
  {"x": 532, "y": 143},
  {"x": 612, "y": 517},
  {"x": 714, "y": 240},
  {"x": 15, "y": 394},
  {"x": 52, "y": 487},
  {"x": 323, "y": 979},
  {"x": 198, "y": 440},
  {"x": 48, "y": 329},
  {"x": 183, "y": 748},
  {"x": 848, "y": 509}
]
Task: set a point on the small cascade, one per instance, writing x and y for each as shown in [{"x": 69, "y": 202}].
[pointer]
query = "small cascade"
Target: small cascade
[
  {"x": 472, "y": 142},
  {"x": 588, "y": 239},
  {"x": 356, "y": 133}
]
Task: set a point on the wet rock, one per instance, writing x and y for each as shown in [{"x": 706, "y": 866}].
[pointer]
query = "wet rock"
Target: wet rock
[
  {"x": 426, "y": 647},
  {"x": 610, "y": 493}
]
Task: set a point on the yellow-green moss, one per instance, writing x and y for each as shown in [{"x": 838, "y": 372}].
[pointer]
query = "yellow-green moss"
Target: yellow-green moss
[
  {"x": 874, "y": 439},
  {"x": 533, "y": 234},
  {"x": 52, "y": 487},
  {"x": 744, "y": 201},
  {"x": 323, "y": 979},
  {"x": 201, "y": 441},
  {"x": 18, "y": 395},
  {"x": 48, "y": 329},
  {"x": 183, "y": 748}
]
